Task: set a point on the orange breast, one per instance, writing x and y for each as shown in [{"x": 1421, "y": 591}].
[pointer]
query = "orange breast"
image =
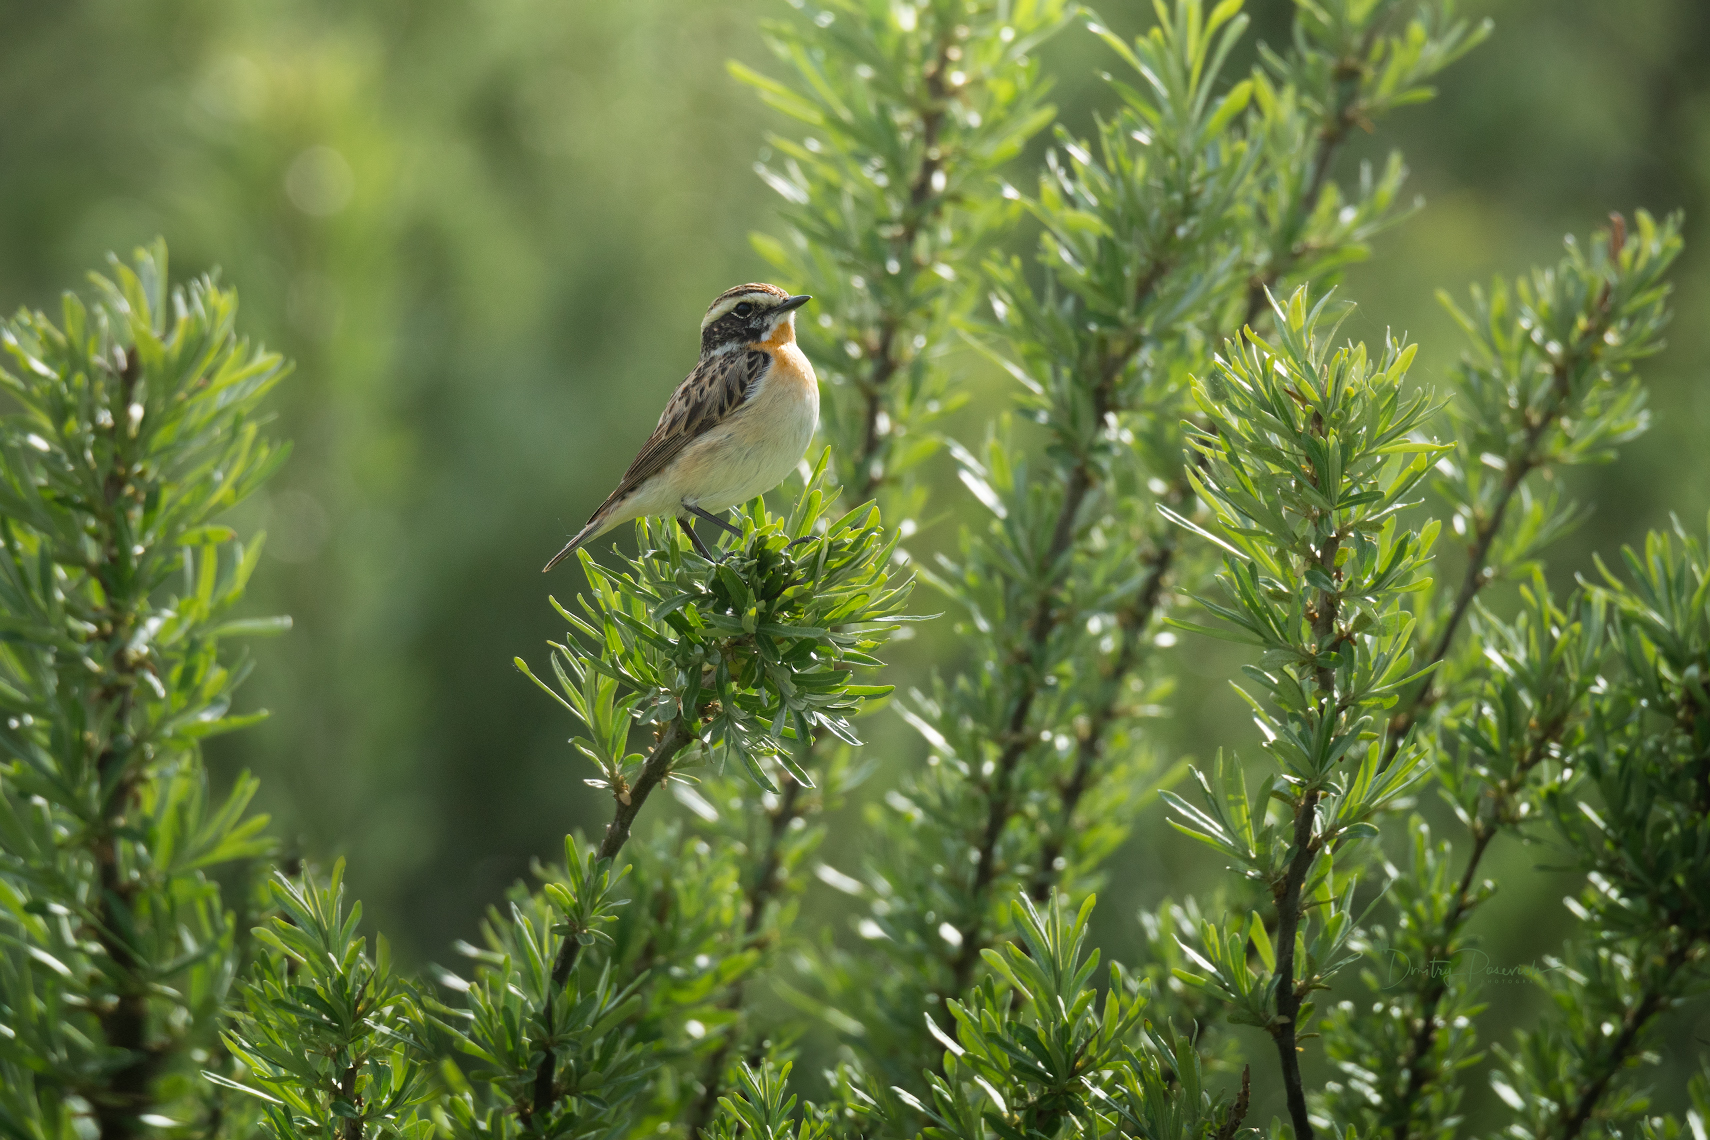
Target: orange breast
[
  {"x": 789, "y": 363},
  {"x": 784, "y": 334}
]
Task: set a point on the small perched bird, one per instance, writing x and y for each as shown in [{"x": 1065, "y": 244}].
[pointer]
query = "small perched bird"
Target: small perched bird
[{"x": 732, "y": 430}]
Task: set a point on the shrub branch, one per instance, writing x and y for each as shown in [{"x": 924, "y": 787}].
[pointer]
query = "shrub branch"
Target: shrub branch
[{"x": 672, "y": 739}]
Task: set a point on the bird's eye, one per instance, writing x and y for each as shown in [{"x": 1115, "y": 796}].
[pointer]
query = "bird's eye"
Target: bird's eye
[{"x": 744, "y": 309}]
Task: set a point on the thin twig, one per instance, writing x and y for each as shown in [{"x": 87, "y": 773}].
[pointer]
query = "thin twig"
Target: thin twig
[
  {"x": 889, "y": 360},
  {"x": 1478, "y": 572},
  {"x": 1478, "y": 575},
  {"x": 1338, "y": 125},
  {"x": 1290, "y": 994},
  {"x": 1289, "y": 997},
  {"x": 1656, "y": 994},
  {"x": 1131, "y": 624},
  {"x": 1046, "y": 616},
  {"x": 1651, "y": 1002},
  {"x": 350, "y": 1128},
  {"x": 673, "y": 738},
  {"x": 1414, "y": 1064},
  {"x": 1115, "y": 356},
  {"x": 1237, "y": 1111},
  {"x": 757, "y": 896},
  {"x": 124, "y": 1021}
]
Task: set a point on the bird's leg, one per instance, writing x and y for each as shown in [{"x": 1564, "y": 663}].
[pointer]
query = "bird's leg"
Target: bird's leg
[
  {"x": 720, "y": 523},
  {"x": 714, "y": 519},
  {"x": 700, "y": 547}
]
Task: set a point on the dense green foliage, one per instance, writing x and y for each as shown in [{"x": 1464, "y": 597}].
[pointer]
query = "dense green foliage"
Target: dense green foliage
[
  {"x": 136, "y": 425},
  {"x": 1156, "y": 241},
  {"x": 315, "y": 1027},
  {"x": 1184, "y": 401}
]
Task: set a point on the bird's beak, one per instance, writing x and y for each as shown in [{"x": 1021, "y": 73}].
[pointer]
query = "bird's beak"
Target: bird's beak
[{"x": 795, "y": 302}]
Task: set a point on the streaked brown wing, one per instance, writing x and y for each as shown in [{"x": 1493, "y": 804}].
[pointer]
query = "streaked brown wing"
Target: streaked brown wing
[{"x": 716, "y": 388}]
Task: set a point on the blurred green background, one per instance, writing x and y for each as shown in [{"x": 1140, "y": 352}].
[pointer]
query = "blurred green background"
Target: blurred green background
[{"x": 486, "y": 230}]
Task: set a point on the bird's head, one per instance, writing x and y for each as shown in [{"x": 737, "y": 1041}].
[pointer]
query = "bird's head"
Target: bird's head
[{"x": 749, "y": 314}]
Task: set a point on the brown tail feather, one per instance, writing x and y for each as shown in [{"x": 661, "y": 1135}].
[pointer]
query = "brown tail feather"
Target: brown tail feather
[{"x": 587, "y": 533}]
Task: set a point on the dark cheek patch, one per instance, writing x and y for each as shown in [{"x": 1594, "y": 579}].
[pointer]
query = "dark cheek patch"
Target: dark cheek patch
[{"x": 731, "y": 328}]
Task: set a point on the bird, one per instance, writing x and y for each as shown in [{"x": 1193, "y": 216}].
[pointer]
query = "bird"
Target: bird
[{"x": 734, "y": 428}]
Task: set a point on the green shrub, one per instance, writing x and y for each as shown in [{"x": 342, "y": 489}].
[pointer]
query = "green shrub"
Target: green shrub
[{"x": 1190, "y": 448}]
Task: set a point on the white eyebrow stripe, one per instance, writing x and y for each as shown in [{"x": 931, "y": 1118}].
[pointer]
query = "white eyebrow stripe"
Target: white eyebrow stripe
[{"x": 722, "y": 307}]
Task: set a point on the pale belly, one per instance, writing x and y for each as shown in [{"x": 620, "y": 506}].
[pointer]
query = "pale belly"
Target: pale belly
[{"x": 752, "y": 453}]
